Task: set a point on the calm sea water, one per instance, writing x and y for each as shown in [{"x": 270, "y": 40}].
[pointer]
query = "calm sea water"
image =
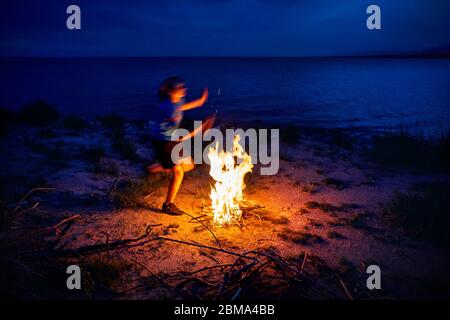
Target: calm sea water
[{"x": 337, "y": 92}]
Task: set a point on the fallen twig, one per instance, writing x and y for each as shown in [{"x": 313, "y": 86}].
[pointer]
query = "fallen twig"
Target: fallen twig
[
  {"x": 113, "y": 186},
  {"x": 90, "y": 249},
  {"x": 349, "y": 296},
  {"x": 209, "y": 229},
  {"x": 28, "y": 194},
  {"x": 59, "y": 224},
  {"x": 304, "y": 261},
  {"x": 207, "y": 247},
  {"x": 165, "y": 282}
]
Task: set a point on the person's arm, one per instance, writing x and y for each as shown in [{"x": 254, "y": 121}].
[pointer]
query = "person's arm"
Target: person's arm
[
  {"x": 196, "y": 103},
  {"x": 190, "y": 134},
  {"x": 207, "y": 124}
]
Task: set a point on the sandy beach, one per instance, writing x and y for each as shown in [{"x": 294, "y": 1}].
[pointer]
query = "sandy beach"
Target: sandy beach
[{"x": 324, "y": 217}]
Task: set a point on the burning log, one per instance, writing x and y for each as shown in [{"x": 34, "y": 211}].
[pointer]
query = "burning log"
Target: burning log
[{"x": 229, "y": 176}]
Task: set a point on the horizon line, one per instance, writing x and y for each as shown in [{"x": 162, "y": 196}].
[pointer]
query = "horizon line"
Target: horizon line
[{"x": 415, "y": 55}]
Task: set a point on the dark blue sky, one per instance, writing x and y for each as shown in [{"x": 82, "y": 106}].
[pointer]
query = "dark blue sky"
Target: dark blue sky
[{"x": 221, "y": 27}]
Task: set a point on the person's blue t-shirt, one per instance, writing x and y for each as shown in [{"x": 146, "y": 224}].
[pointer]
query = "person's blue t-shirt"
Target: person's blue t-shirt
[{"x": 166, "y": 120}]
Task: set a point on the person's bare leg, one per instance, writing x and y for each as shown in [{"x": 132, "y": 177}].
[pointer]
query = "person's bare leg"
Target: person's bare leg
[
  {"x": 188, "y": 167},
  {"x": 175, "y": 183},
  {"x": 187, "y": 164},
  {"x": 178, "y": 171},
  {"x": 154, "y": 168}
]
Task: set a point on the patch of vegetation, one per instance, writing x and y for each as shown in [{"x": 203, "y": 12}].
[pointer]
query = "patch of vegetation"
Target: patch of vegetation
[
  {"x": 415, "y": 152},
  {"x": 6, "y": 117},
  {"x": 334, "y": 235},
  {"x": 400, "y": 149},
  {"x": 125, "y": 148},
  {"x": 299, "y": 237},
  {"x": 349, "y": 206},
  {"x": 423, "y": 212},
  {"x": 344, "y": 264},
  {"x": 111, "y": 120},
  {"x": 34, "y": 144},
  {"x": 281, "y": 220},
  {"x": 54, "y": 153},
  {"x": 199, "y": 229},
  {"x": 315, "y": 223},
  {"x": 130, "y": 193},
  {"x": 47, "y": 133},
  {"x": 337, "y": 184},
  {"x": 341, "y": 139},
  {"x": 93, "y": 154},
  {"x": 14, "y": 186},
  {"x": 119, "y": 142},
  {"x": 6, "y": 216},
  {"x": 303, "y": 211},
  {"x": 198, "y": 192},
  {"x": 107, "y": 168},
  {"x": 38, "y": 114},
  {"x": 443, "y": 152},
  {"x": 90, "y": 200},
  {"x": 307, "y": 187},
  {"x": 75, "y": 123},
  {"x": 324, "y": 206},
  {"x": 371, "y": 180},
  {"x": 168, "y": 230},
  {"x": 327, "y": 207},
  {"x": 336, "y": 223},
  {"x": 106, "y": 269},
  {"x": 13, "y": 205},
  {"x": 357, "y": 220},
  {"x": 56, "y": 156},
  {"x": 286, "y": 155},
  {"x": 252, "y": 182},
  {"x": 290, "y": 134}
]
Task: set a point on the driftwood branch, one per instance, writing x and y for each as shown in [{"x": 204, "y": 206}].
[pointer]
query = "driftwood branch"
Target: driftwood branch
[
  {"x": 252, "y": 270},
  {"x": 90, "y": 249},
  {"x": 22, "y": 201},
  {"x": 207, "y": 247},
  {"x": 183, "y": 292},
  {"x": 349, "y": 296},
  {"x": 208, "y": 228},
  {"x": 61, "y": 223}
]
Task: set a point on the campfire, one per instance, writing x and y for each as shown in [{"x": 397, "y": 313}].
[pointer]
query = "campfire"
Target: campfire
[{"x": 228, "y": 169}]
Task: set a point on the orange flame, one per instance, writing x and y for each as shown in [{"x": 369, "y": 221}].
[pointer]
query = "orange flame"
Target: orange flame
[{"x": 229, "y": 176}]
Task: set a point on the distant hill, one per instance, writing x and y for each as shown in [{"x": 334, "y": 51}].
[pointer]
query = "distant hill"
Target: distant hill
[
  {"x": 434, "y": 52},
  {"x": 441, "y": 51}
]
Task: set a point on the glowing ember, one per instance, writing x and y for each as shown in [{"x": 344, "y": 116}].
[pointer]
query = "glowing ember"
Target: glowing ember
[{"x": 229, "y": 176}]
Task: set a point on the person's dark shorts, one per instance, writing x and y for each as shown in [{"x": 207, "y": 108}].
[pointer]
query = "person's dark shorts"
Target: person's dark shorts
[{"x": 164, "y": 152}]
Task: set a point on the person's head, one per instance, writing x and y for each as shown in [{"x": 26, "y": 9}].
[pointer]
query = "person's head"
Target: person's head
[{"x": 172, "y": 89}]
